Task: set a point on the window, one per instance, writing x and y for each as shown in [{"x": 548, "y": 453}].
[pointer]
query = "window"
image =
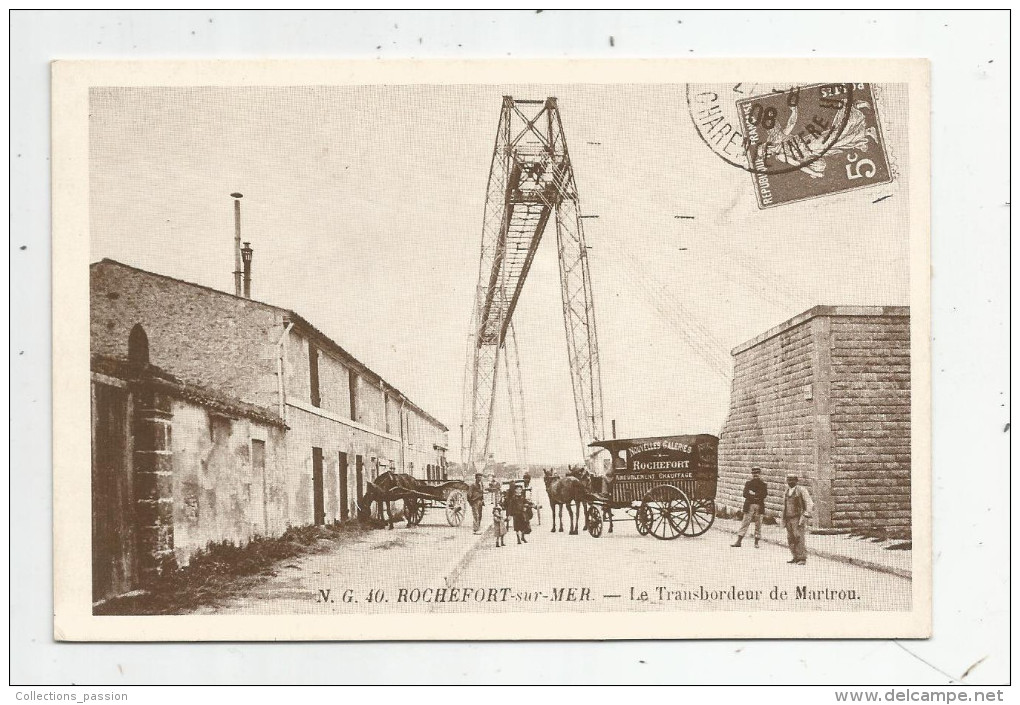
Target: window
[
  {"x": 138, "y": 345},
  {"x": 219, "y": 428},
  {"x": 313, "y": 374},
  {"x": 353, "y": 380}
]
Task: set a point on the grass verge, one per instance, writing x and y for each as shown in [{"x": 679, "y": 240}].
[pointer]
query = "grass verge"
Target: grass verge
[{"x": 225, "y": 570}]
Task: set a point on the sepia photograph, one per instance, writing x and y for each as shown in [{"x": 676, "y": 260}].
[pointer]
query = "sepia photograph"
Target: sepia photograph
[
  {"x": 373, "y": 349},
  {"x": 657, "y": 348}
]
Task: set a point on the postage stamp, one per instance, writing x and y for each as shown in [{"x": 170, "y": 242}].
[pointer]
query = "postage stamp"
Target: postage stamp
[
  {"x": 310, "y": 330},
  {"x": 813, "y": 140}
]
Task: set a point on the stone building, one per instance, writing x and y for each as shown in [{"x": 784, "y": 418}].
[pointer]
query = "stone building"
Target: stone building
[
  {"x": 174, "y": 467},
  {"x": 219, "y": 417},
  {"x": 825, "y": 395}
]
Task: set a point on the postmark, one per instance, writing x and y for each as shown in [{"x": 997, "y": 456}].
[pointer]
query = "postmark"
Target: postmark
[
  {"x": 796, "y": 152},
  {"x": 816, "y": 125}
]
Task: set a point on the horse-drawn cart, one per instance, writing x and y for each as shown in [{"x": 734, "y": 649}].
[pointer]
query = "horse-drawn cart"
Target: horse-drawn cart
[
  {"x": 448, "y": 495},
  {"x": 418, "y": 496},
  {"x": 667, "y": 483}
]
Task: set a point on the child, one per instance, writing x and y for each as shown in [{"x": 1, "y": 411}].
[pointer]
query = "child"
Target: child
[{"x": 499, "y": 525}]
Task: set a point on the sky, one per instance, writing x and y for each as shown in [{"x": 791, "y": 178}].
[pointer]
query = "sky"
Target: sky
[{"x": 364, "y": 208}]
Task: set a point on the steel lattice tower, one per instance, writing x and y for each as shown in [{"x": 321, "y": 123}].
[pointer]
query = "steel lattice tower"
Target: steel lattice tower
[{"x": 530, "y": 180}]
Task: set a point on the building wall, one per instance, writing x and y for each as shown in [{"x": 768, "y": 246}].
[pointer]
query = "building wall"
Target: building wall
[
  {"x": 334, "y": 376},
  {"x": 310, "y": 430},
  {"x": 172, "y": 475},
  {"x": 211, "y": 339},
  {"x": 370, "y": 404},
  {"x": 379, "y": 418},
  {"x": 232, "y": 345},
  {"x": 334, "y": 385},
  {"x": 392, "y": 415},
  {"x": 217, "y": 493},
  {"x": 871, "y": 421},
  {"x": 771, "y": 421},
  {"x": 825, "y": 395},
  {"x": 424, "y": 439}
]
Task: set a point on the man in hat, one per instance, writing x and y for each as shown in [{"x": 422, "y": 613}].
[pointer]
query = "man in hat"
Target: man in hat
[
  {"x": 755, "y": 491},
  {"x": 797, "y": 509},
  {"x": 476, "y": 498}
]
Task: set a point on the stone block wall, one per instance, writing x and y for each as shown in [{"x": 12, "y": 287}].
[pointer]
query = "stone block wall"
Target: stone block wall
[
  {"x": 825, "y": 395},
  {"x": 199, "y": 335},
  {"x": 871, "y": 421},
  {"x": 771, "y": 419},
  {"x": 152, "y": 470}
]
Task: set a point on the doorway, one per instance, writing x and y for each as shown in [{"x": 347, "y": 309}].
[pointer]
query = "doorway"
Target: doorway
[
  {"x": 342, "y": 473},
  {"x": 113, "y": 551},
  {"x": 359, "y": 479},
  {"x": 317, "y": 495}
]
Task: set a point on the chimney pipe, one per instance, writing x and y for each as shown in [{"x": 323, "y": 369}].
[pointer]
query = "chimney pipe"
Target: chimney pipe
[
  {"x": 246, "y": 252},
  {"x": 237, "y": 242},
  {"x": 614, "y": 428}
]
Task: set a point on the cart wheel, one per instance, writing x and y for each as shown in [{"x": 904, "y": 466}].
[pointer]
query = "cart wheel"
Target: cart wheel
[
  {"x": 414, "y": 508},
  {"x": 667, "y": 511},
  {"x": 456, "y": 507},
  {"x": 702, "y": 514},
  {"x": 594, "y": 521},
  {"x": 641, "y": 520}
]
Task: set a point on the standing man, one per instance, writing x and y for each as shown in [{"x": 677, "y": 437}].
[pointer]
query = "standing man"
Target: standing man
[
  {"x": 797, "y": 509},
  {"x": 494, "y": 489},
  {"x": 755, "y": 491},
  {"x": 476, "y": 498}
]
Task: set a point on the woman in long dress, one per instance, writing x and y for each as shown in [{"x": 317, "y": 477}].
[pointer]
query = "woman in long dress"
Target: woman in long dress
[{"x": 521, "y": 511}]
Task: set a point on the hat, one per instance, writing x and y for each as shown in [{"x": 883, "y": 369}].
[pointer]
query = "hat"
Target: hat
[
  {"x": 791, "y": 476},
  {"x": 756, "y": 470}
]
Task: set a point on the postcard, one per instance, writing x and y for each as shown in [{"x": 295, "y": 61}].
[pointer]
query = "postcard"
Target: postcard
[{"x": 491, "y": 350}]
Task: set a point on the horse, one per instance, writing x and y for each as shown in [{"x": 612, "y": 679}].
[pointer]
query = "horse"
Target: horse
[
  {"x": 571, "y": 491},
  {"x": 382, "y": 491}
]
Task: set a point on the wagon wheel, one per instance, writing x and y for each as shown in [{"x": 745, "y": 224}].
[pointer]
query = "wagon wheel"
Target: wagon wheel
[
  {"x": 667, "y": 510},
  {"x": 702, "y": 513},
  {"x": 415, "y": 510},
  {"x": 456, "y": 504},
  {"x": 641, "y": 520},
  {"x": 594, "y": 521}
]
